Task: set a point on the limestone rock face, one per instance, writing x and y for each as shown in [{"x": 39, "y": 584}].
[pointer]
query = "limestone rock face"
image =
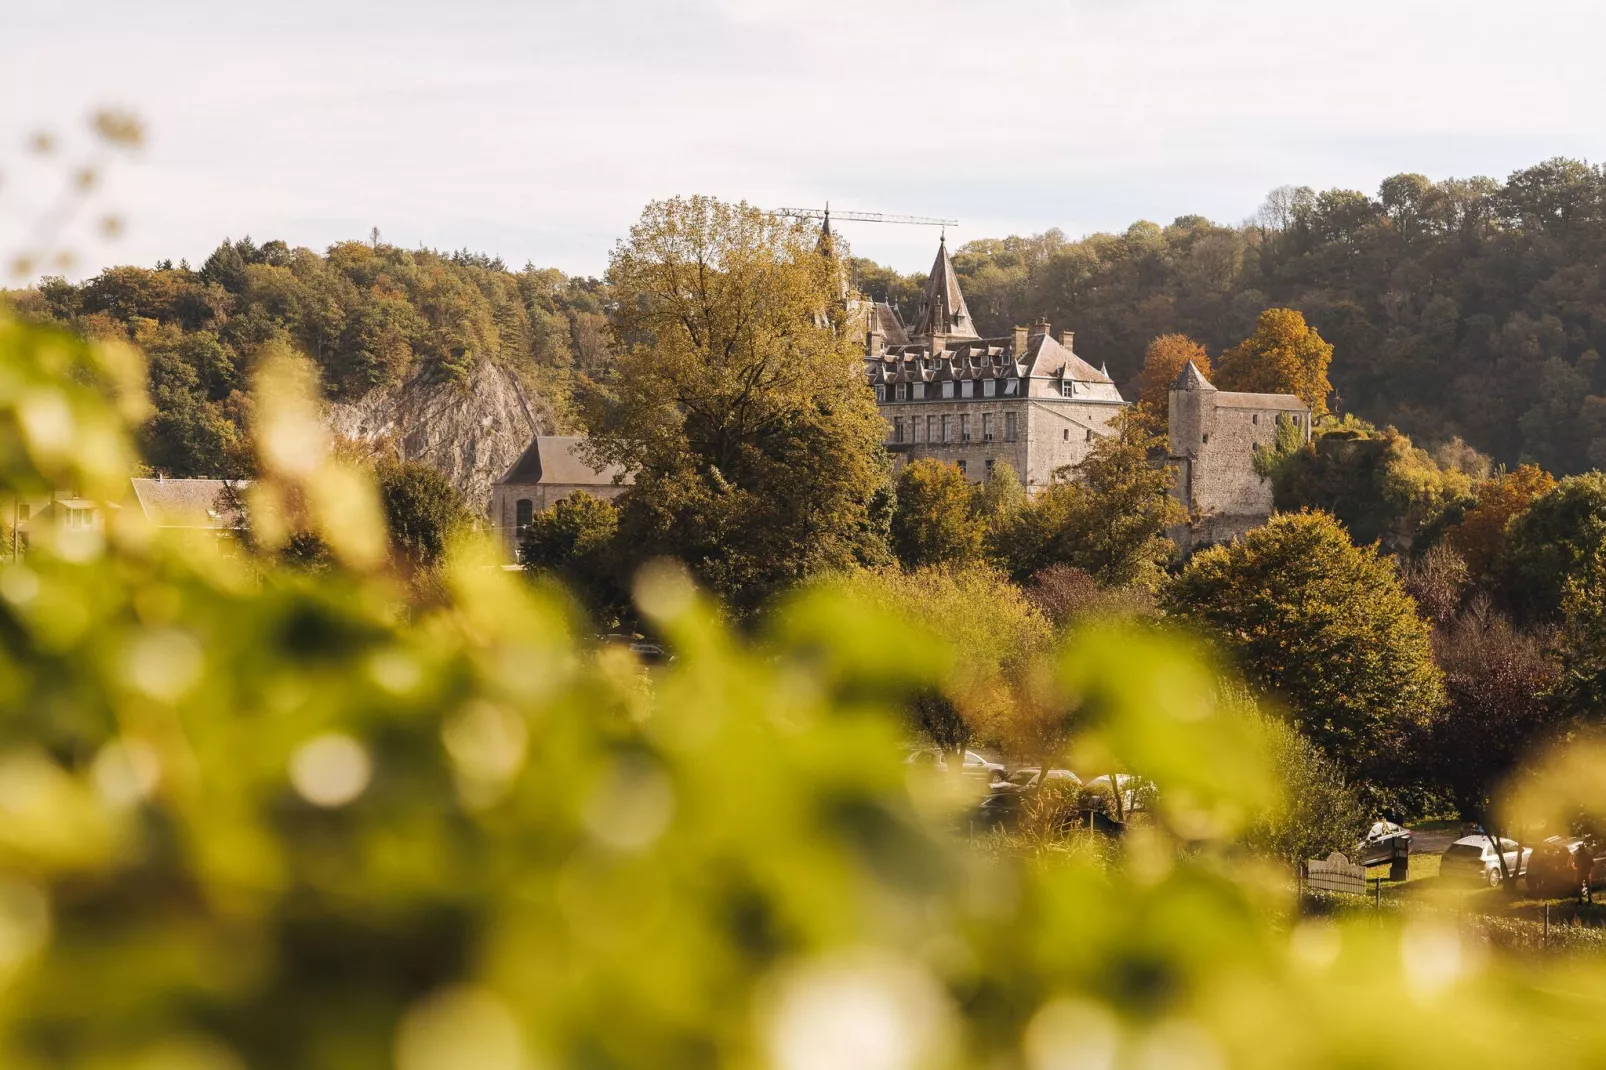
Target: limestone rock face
[{"x": 472, "y": 433}]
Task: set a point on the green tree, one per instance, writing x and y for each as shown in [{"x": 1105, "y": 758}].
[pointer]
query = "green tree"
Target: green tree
[
  {"x": 737, "y": 404},
  {"x": 1107, "y": 515},
  {"x": 574, "y": 541},
  {"x": 1553, "y": 542},
  {"x": 1320, "y": 811},
  {"x": 935, "y": 521},
  {"x": 423, "y": 511},
  {"x": 1323, "y": 626}
]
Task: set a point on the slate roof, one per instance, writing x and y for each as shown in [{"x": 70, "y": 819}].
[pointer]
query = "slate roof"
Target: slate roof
[
  {"x": 985, "y": 358},
  {"x": 943, "y": 309},
  {"x": 1190, "y": 378},
  {"x": 184, "y": 503},
  {"x": 556, "y": 459}
]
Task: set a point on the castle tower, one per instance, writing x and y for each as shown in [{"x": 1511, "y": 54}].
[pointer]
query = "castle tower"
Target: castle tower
[{"x": 943, "y": 313}]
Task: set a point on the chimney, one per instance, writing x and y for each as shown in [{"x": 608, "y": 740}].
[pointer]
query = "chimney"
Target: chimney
[
  {"x": 1020, "y": 341},
  {"x": 1065, "y": 338},
  {"x": 1040, "y": 327}
]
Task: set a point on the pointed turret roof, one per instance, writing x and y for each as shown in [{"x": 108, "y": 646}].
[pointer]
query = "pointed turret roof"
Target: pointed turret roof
[
  {"x": 1191, "y": 378},
  {"x": 943, "y": 310}
]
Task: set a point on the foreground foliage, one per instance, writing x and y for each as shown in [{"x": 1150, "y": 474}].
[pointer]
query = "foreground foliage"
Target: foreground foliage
[{"x": 256, "y": 819}]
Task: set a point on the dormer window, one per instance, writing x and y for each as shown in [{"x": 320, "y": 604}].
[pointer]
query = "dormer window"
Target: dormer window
[
  {"x": 1011, "y": 387},
  {"x": 880, "y": 392},
  {"x": 967, "y": 388},
  {"x": 903, "y": 391},
  {"x": 1067, "y": 388},
  {"x": 919, "y": 391},
  {"x": 989, "y": 387},
  {"x": 948, "y": 388}
]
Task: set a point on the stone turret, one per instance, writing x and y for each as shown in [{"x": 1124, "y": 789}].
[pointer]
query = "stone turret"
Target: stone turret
[{"x": 943, "y": 313}]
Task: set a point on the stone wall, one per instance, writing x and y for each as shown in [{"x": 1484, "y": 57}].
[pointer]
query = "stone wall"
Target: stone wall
[
  {"x": 505, "y": 503},
  {"x": 1214, "y": 437},
  {"x": 1049, "y": 433}
]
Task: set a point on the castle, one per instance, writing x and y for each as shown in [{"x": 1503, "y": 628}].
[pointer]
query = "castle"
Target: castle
[
  {"x": 1025, "y": 399},
  {"x": 1028, "y": 400}
]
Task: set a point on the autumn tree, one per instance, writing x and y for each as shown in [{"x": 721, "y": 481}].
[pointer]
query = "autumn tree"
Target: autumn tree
[
  {"x": 936, "y": 521},
  {"x": 1552, "y": 542},
  {"x": 1285, "y": 355},
  {"x": 1163, "y": 361},
  {"x": 1325, "y": 627},
  {"x": 1480, "y": 535},
  {"x": 988, "y": 618},
  {"x": 422, "y": 509},
  {"x": 736, "y": 403},
  {"x": 1106, "y": 515}
]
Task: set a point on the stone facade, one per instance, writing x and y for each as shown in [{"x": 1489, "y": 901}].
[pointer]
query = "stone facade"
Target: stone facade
[
  {"x": 1025, "y": 399},
  {"x": 551, "y": 468},
  {"x": 1214, "y": 438}
]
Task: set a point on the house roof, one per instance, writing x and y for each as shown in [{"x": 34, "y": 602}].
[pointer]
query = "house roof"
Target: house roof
[
  {"x": 943, "y": 310},
  {"x": 1191, "y": 378},
  {"x": 556, "y": 459},
  {"x": 185, "y": 503}
]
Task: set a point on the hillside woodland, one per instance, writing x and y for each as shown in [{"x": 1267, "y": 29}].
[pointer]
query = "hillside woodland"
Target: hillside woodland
[{"x": 1465, "y": 307}]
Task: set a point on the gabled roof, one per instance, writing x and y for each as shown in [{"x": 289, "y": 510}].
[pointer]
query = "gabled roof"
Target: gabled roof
[
  {"x": 556, "y": 459},
  {"x": 186, "y": 503},
  {"x": 1049, "y": 357},
  {"x": 943, "y": 310}
]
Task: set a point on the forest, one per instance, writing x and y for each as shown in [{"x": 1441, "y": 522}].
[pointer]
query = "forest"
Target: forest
[{"x": 1463, "y": 308}]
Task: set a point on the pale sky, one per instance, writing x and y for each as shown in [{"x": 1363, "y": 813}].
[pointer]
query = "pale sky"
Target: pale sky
[{"x": 536, "y": 131}]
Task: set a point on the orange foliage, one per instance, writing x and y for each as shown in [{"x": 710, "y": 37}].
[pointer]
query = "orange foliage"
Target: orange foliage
[{"x": 1481, "y": 534}]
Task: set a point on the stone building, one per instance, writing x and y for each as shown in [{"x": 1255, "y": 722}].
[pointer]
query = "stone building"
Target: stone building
[
  {"x": 1215, "y": 436},
  {"x": 1025, "y": 399},
  {"x": 550, "y": 469}
]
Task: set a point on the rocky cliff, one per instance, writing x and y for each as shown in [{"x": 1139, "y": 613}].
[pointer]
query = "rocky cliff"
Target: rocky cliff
[{"x": 471, "y": 432}]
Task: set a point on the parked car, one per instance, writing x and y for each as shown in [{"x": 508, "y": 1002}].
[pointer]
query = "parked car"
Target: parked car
[
  {"x": 928, "y": 758},
  {"x": 1002, "y": 809},
  {"x": 1566, "y": 865},
  {"x": 1474, "y": 858},
  {"x": 1031, "y": 776},
  {"x": 1130, "y": 786},
  {"x": 977, "y": 765},
  {"x": 1384, "y": 842}
]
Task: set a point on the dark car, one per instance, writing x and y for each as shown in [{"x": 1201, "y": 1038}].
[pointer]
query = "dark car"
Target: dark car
[
  {"x": 1383, "y": 844},
  {"x": 1565, "y": 866},
  {"x": 1003, "y": 810}
]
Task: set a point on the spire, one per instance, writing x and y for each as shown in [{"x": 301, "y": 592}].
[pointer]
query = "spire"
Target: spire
[
  {"x": 1191, "y": 378},
  {"x": 943, "y": 310},
  {"x": 826, "y": 247}
]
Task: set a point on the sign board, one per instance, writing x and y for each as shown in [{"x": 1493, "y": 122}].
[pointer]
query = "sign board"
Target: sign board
[{"x": 1337, "y": 874}]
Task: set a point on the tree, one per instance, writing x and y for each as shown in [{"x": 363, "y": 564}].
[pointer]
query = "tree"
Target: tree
[
  {"x": 1551, "y": 542},
  {"x": 422, "y": 510},
  {"x": 1163, "y": 361},
  {"x": 1323, "y": 626},
  {"x": 1285, "y": 355},
  {"x": 978, "y": 611},
  {"x": 1499, "y": 711},
  {"x": 574, "y": 541},
  {"x": 737, "y": 404},
  {"x": 1321, "y": 812},
  {"x": 1480, "y": 535},
  {"x": 1107, "y": 515},
  {"x": 935, "y": 521}
]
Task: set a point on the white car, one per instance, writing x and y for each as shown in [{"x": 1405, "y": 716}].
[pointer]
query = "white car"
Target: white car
[
  {"x": 978, "y": 766},
  {"x": 1031, "y": 776},
  {"x": 1473, "y": 858},
  {"x": 1129, "y": 789}
]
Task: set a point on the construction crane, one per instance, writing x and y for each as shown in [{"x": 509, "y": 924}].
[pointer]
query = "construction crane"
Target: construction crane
[{"x": 867, "y": 217}]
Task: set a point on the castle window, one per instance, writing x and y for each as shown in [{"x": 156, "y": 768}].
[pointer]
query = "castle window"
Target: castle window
[
  {"x": 1205, "y": 438},
  {"x": 897, "y": 429},
  {"x": 989, "y": 387},
  {"x": 967, "y": 389},
  {"x": 964, "y": 427},
  {"x": 986, "y": 427},
  {"x": 903, "y": 391},
  {"x": 1011, "y": 386},
  {"x": 1090, "y": 434},
  {"x": 931, "y": 429},
  {"x": 1254, "y": 418},
  {"x": 948, "y": 389},
  {"x": 961, "y": 466},
  {"x": 1067, "y": 434},
  {"x": 1068, "y": 388},
  {"x": 989, "y": 468},
  {"x": 523, "y": 513},
  {"x": 1009, "y": 427},
  {"x": 947, "y": 430},
  {"x": 880, "y": 393},
  {"x": 919, "y": 391}
]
